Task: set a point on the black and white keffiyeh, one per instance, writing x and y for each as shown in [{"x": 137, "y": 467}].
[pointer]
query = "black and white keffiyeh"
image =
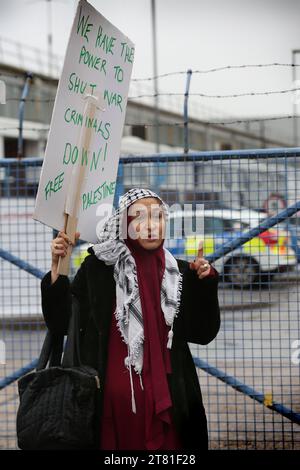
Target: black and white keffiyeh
[{"x": 113, "y": 251}]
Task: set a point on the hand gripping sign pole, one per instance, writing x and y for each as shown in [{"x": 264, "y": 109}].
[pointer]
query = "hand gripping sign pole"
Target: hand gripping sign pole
[{"x": 76, "y": 183}]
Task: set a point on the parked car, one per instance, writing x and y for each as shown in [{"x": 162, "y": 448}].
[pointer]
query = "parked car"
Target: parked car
[
  {"x": 254, "y": 262},
  {"x": 292, "y": 225}
]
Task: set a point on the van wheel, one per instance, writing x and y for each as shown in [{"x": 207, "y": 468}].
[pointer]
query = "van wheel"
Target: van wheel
[{"x": 241, "y": 272}]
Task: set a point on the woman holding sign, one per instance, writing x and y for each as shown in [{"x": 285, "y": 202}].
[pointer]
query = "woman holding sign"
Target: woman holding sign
[{"x": 139, "y": 308}]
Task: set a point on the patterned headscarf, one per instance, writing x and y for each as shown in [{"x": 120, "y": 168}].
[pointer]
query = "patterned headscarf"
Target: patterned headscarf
[{"x": 115, "y": 227}]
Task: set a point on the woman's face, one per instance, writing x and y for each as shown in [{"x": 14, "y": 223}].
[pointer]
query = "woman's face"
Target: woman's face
[{"x": 146, "y": 222}]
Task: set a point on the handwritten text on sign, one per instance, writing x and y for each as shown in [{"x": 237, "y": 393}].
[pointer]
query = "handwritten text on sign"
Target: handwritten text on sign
[{"x": 98, "y": 63}]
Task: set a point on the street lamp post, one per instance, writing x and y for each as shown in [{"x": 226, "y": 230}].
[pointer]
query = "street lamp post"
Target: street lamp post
[
  {"x": 50, "y": 54},
  {"x": 155, "y": 68}
]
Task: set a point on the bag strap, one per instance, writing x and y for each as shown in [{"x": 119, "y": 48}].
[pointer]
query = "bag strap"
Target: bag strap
[
  {"x": 71, "y": 356},
  {"x": 53, "y": 344},
  {"x": 51, "y": 351}
]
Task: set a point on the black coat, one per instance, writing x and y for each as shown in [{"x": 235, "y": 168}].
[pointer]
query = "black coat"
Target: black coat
[{"x": 198, "y": 322}]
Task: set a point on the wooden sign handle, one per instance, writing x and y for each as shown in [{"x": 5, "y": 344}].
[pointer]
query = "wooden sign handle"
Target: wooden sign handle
[{"x": 72, "y": 220}]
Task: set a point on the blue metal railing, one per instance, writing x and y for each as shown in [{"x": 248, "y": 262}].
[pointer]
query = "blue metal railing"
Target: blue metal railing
[
  {"x": 221, "y": 251},
  {"x": 246, "y": 390}
]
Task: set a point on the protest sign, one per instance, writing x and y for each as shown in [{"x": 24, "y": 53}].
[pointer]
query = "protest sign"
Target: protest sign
[{"x": 82, "y": 154}]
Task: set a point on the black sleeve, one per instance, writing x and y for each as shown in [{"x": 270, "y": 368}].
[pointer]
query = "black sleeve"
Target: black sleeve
[
  {"x": 56, "y": 299},
  {"x": 199, "y": 305}
]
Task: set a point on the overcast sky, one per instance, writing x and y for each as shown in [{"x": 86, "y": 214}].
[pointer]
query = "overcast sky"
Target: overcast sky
[{"x": 196, "y": 34}]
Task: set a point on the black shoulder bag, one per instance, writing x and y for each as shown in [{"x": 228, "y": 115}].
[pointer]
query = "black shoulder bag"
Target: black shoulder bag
[{"x": 57, "y": 407}]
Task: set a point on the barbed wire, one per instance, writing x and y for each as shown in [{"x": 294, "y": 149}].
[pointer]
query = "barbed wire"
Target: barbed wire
[
  {"x": 207, "y": 123},
  {"x": 243, "y": 121},
  {"x": 15, "y": 128},
  {"x": 216, "y": 69},
  {"x": 183, "y": 72},
  {"x": 155, "y": 95},
  {"x": 204, "y": 95},
  {"x": 9, "y": 75},
  {"x": 175, "y": 124},
  {"x": 32, "y": 100}
]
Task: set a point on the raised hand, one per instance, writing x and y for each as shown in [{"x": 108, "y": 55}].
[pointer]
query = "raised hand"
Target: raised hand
[{"x": 200, "y": 265}]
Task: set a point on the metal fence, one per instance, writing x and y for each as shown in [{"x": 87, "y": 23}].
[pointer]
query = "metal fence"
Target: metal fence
[{"x": 250, "y": 202}]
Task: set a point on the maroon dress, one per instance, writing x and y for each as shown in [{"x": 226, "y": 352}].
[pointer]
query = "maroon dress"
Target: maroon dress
[{"x": 121, "y": 429}]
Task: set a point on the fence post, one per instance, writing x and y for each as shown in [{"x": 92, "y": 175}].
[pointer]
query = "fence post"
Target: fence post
[
  {"x": 25, "y": 92},
  {"x": 185, "y": 111},
  {"x": 120, "y": 186}
]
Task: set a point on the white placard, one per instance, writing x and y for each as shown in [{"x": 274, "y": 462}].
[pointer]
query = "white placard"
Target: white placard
[{"x": 95, "y": 79}]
